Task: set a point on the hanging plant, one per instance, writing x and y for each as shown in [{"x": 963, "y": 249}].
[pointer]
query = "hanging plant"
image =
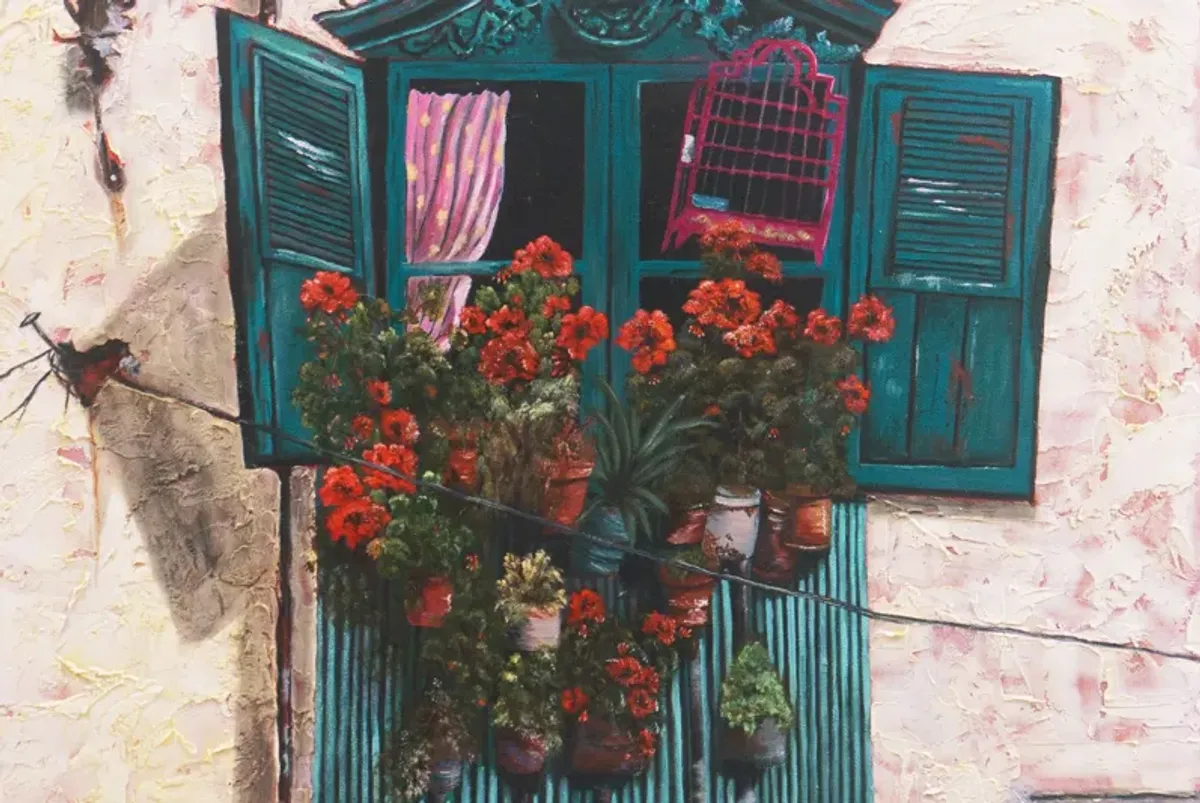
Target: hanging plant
[
  {"x": 755, "y": 710},
  {"x": 530, "y": 597},
  {"x": 526, "y": 712}
]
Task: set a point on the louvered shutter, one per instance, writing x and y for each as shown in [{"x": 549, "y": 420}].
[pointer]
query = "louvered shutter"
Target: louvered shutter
[
  {"x": 295, "y": 144},
  {"x": 951, "y": 220}
]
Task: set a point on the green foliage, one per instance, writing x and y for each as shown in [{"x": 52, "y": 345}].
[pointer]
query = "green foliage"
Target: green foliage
[
  {"x": 531, "y": 581},
  {"x": 426, "y": 537},
  {"x": 527, "y": 697},
  {"x": 752, "y": 692},
  {"x": 436, "y": 731},
  {"x": 692, "y": 555},
  {"x": 634, "y": 460},
  {"x": 406, "y": 767}
]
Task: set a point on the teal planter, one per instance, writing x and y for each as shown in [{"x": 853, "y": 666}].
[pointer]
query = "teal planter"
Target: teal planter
[{"x": 588, "y": 557}]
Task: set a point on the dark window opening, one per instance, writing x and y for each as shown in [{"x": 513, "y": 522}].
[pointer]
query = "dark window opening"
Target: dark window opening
[{"x": 543, "y": 161}]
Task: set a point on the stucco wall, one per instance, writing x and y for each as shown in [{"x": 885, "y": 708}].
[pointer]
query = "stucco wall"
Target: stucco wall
[
  {"x": 1110, "y": 547},
  {"x": 138, "y": 654}
]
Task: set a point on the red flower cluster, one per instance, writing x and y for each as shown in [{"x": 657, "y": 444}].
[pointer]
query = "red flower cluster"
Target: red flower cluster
[
  {"x": 855, "y": 394},
  {"x": 781, "y": 316},
  {"x": 507, "y": 320},
  {"x": 725, "y": 304},
  {"x": 380, "y": 392},
  {"x": 543, "y": 256},
  {"x": 727, "y": 238},
  {"x": 340, "y": 487},
  {"x": 472, "y": 320},
  {"x": 586, "y": 607},
  {"x": 554, "y": 305},
  {"x": 823, "y": 328},
  {"x": 765, "y": 265},
  {"x": 662, "y": 627},
  {"x": 575, "y": 702},
  {"x": 581, "y": 331},
  {"x": 354, "y": 517},
  {"x": 399, "y": 426},
  {"x": 401, "y": 459},
  {"x": 647, "y": 742},
  {"x": 510, "y": 358},
  {"x": 363, "y": 427},
  {"x": 650, "y": 337},
  {"x": 751, "y": 339},
  {"x": 328, "y": 291},
  {"x": 641, "y": 684},
  {"x": 871, "y": 319}
]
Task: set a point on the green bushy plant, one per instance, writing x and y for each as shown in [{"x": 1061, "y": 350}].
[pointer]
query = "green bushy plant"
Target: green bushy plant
[{"x": 752, "y": 692}]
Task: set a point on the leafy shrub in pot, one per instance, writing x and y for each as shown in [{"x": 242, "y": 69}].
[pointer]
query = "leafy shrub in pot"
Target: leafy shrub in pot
[{"x": 755, "y": 710}]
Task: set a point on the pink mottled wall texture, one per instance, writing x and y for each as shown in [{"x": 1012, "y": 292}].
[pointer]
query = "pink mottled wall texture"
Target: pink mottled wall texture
[{"x": 127, "y": 675}]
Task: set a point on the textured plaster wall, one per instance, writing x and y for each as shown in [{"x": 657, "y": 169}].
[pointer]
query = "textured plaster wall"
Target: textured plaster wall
[{"x": 1110, "y": 547}]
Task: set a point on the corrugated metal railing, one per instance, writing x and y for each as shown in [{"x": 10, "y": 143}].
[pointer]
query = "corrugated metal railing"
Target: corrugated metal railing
[{"x": 820, "y": 651}]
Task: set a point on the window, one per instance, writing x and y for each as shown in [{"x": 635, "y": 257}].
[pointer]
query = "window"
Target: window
[{"x": 951, "y": 227}]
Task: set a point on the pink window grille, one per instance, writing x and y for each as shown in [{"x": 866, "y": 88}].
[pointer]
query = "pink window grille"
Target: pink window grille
[{"x": 761, "y": 145}]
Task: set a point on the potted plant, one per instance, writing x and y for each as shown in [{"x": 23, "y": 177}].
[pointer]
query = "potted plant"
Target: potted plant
[
  {"x": 527, "y": 339},
  {"x": 526, "y": 712},
  {"x": 755, "y": 710},
  {"x": 427, "y": 756},
  {"x": 612, "y": 678},
  {"x": 633, "y": 460},
  {"x": 530, "y": 597}
]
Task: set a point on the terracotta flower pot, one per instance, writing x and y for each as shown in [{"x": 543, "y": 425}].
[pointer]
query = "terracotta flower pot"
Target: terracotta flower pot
[
  {"x": 812, "y": 521},
  {"x": 689, "y": 595},
  {"x": 518, "y": 754},
  {"x": 566, "y": 490},
  {"x": 774, "y": 562},
  {"x": 731, "y": 528},
  {"x": 688, "y": 528},
  {"x": 541, "y": 628},
  {"x": 600, "y": 748},
  {"x": 766, "y": 747},
  {"x": 589, "y": 557},
  {"x": 431, "y": 604}
]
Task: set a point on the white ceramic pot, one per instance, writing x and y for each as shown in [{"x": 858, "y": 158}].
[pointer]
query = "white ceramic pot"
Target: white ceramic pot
[
  {"x": 539, "y": 630},
  {"x": 732, "y": 527}
]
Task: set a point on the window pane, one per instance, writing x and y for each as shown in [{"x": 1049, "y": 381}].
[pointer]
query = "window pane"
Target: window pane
[
  {"x": 663, "y": 113},
  {"x": 669, "y": 293},
  {"x": 543, "y": 161}
]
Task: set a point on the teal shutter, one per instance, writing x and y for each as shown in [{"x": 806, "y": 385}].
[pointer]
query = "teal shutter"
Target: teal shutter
[
  {"x": 294, "y": 118},
  {"x": 951, "y": 217}
]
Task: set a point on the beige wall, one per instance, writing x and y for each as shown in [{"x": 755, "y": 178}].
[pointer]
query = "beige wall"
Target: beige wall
[{"x": 137, "y": 654}]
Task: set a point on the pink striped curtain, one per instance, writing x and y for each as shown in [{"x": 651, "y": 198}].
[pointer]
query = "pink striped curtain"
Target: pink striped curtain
[{"x": 455, "y": 163}]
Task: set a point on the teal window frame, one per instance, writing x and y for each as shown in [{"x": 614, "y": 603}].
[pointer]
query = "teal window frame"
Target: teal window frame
[{"x": 592, "y": 265}]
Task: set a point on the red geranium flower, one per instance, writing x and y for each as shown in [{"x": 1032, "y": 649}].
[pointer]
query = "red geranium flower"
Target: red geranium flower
[
  {"x": 660, "y": 626},
  {"x": 363, "y": 427},
  {"x": 575, "y": 701},
  {"x": 871, "y": 319},
  {"x": 646, "y": 742},
  {"x": 854, "y": 394},
  {"x": 341, "y": 485},
  {"x": 380, "y": 392},
  {"x": 641, "y": 703},
  {"x": 329, "y": 292},
  {"x": 396, "y": 457},
  {"x": 765, "y": 265},
  {"x": 472, "y": 320},
  {"x": 823, "y": 328},
  {"x": 399, "y": 426},
  {"x": 507, "y": 359},
  {"x": 585, "y": 606},
  {"x": 471, "y": 562},
  {"x": 582, "y": 330},
  {"x": 544, "y": 256},
  {"x": 781, "y": 315},
  {"x": 507, "y": 320},
  {"x": 650, "y": 337},
  {"x": 555, "y": 304},
  {"x": 725, "y": 304},
  {"x": 647, "y": 679},
  {"x": 728, "y": 237},
  {"x": 750, "y": 339},
  {"x": 356, "y": 521},
  {"x": 625, "y": 671}
]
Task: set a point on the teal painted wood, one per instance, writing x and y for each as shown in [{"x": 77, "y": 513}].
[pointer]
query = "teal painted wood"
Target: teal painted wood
[
  {"x": 951, "y": 209},
  {"x": 628, "y": 267},
  {"x": 592, "y": 265},
  {"x": 294, "y": 120},
  {"x": 821, "y": 653}
]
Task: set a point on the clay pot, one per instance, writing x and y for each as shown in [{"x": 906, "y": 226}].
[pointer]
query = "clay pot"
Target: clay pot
[
  {"x": 589, "y": 557},
  {"x": 445, "y": 775},
  {"x": 518, "y": 754},
  {"x": 566, "y": 490},
  {"x": 540, "y": 629},
  {"x": 773, "y": 561},
  {"x": 601, "y": 749},
  {"x": 431, "y": 603},
  {"x": 766, "y": 747},
  {"x": 688, "y": 528},
  {"x": 689, "y": 595},
  {"x": 812, "y": 521},
  {"x": 731, "y": 529}
]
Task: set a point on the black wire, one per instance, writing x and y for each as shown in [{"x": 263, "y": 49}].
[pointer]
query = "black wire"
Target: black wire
[{"x": 489, "y": 504}]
